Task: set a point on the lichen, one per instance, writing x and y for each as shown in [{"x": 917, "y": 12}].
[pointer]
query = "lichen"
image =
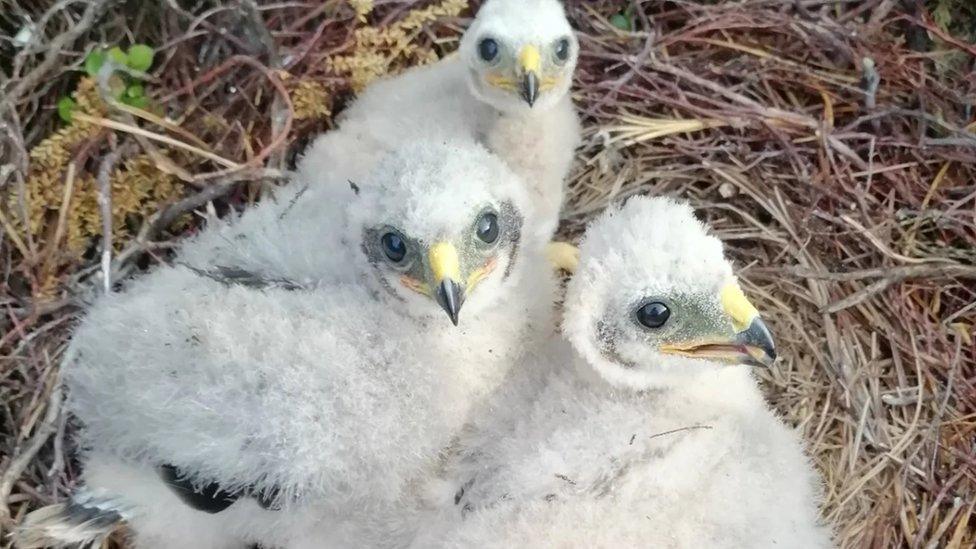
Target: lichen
[
  {"x": 138, "y": 189},
  {"x": 381, "y": 51}
]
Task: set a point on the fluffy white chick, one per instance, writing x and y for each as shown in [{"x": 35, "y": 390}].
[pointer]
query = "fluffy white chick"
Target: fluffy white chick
[
  {"x": 508, "y": 88},
  {"x": 645, "y": 432},
  {"x": 227, "y": 407}
]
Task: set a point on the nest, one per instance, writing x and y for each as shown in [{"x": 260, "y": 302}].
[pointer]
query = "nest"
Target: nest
[{"x": 832, "y": 145}]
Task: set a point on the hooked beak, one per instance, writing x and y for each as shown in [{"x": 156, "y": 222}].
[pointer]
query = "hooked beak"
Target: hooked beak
[
  {"x": 757, "y": 342},
  {"x": 752, "y": 342},
  {"x": 752, "y": 336},
  {"x": 450, "y": 297},
  {"x": 530, "y": 62},
  {"x": 446, "y": 270}
]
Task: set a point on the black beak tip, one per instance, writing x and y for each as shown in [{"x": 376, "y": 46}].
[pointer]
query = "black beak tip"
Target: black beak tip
[
  {"x": 530, "y": 89},
  {"x": 450, "y": 298},
  {"x": 758, "y": 342}
]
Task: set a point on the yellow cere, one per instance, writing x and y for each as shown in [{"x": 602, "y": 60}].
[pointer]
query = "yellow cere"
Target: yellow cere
[
  {"x": 738, "y": 306},
  {"x": 530, "y": 59},
  {"x": 444, "y": 262}
]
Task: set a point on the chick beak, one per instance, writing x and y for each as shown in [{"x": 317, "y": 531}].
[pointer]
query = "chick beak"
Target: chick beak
[
  {"x": 530, "y": 88},
  {"x": 446, "y": 270},
  {"x": 752, "y": 335},
  {"x": 530, "y": 61},
  {"x": 450, "y": 298},
  {"x": 757, "y": 341}
]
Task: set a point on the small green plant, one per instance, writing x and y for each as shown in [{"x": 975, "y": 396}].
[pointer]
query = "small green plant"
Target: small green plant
[
  {"x": 66, "y": 106},
  {"x": 623, "y": 20},
  {"x": 125, "y": 86}
]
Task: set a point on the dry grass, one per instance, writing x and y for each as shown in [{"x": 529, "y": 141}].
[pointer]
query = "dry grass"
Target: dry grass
[{"x": 827, "y": 143}]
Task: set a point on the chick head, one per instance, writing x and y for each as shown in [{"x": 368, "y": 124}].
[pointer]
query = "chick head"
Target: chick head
[
  {"x": 440, "y": 227},
  {"x": 654, "y": 299},
  {"x": 521, "y": 54}
]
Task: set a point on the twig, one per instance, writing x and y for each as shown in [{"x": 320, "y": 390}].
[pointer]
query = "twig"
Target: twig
[
  {"x": 34, "y": 445},
  {"x": 162, "y": 219},
  {"x": 766, "y": 112},
  {"x": 893, "y": 276},
  {"x": 277, "y": 140},
  {"x": 11, "y": 233},
  {"x": 114, "y": 125},
  {"x": 678, "y": 430},
  {"x": 930, "y": 26},
  {"x": 279, "y": 113},
  {"x": 905, "y": 272},
  {"x": 869, "y": 84},
  {"x": 859, "y": 296},
  {"x": 54, "y": 52},
  {"x": 69, "y": 185},
  {"x": 105, "y": 206}
]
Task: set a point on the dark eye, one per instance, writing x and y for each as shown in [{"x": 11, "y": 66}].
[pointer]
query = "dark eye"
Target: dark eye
[
  {"x": 394, "y": 247},
  {"x": 653, "y": 315},
  {"x": 562, "y": 49},
  {"x": 488, "y": 49},
  {"x": 488, "y": 228}
]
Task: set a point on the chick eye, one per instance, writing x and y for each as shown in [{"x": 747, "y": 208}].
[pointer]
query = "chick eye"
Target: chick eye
[
  {"x": 488, "y": 228},
  {"x": 562, "y": 49},
  {"x": 394, "y": 247},
  {"x": 488, "y": 49},
  {"x": 653, "y": 315}
]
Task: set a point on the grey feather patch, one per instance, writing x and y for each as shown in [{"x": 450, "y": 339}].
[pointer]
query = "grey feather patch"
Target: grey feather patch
[
  {"x": 235, "y": 276},
  {"x": 84, "y": 521},
  {"x": 291, "y": 203},
  {"x": 514, "y": 219},
  {"x": 608, "y": 336}
]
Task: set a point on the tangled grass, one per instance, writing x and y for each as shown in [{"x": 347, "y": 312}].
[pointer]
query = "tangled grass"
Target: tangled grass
[{"x": 831, "y": 144}]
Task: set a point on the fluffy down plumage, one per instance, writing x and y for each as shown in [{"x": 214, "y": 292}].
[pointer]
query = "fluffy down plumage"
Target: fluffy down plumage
[
  {"x": 284, "y": 361},
  {"x": 455, "y": 99},
  {"x": 676, "y": 452}
]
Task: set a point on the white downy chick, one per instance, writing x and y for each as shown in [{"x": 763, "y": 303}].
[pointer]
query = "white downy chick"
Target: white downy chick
[
  {"x": 507, "y": 88},
  {"x": 644, "y": 430},
  {"x": 275, "y": 406}
]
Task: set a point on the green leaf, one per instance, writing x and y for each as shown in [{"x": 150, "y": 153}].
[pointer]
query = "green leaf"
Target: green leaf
[
  {"x": 621, "y": 21},
  {"x": 140, "y": 57},
  {"x": 135, "y": 90},
  {"x": 118, "y": 56},
  {"x": 94, "y": 62},
  {"x": 66, "y": 107},
  {"x": 138, "y": 102}
]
